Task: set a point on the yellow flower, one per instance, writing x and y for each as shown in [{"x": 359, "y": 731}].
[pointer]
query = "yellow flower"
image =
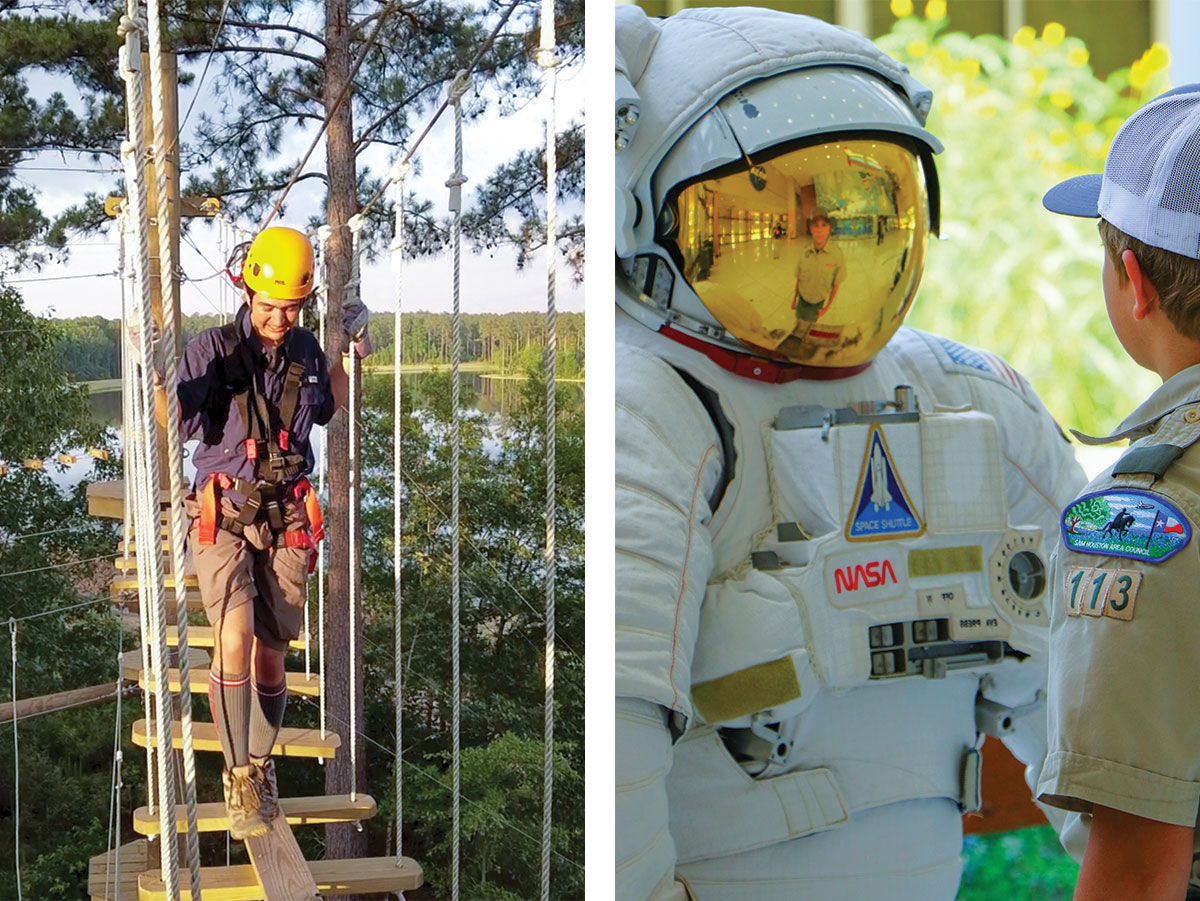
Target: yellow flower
[
  {"x": 1025, "y": 36},
  {"x": 917, "y": 49},
  {"x": 1084, "y": 127},
  {"x": 1139, "y": 74},
  {"x": 935, "y": 9},
  {"x": 1054, "y": 33},
  {"x": 1111, "y": 124},
  {"x": 1061, "y": 99},
  {"x": 1059, "y": 136},
  {"x": 1157, "y": 57},
  {"x": 901, "y": 8},
  {"x": 988, "y": 111},
  {"x": 970, "y": 67},
  {"x": 1039, "y": 74},
  {"x": 1078, "y": 56}
]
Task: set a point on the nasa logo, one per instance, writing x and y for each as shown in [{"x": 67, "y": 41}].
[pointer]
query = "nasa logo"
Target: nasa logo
[
  {"x": 865, "y": 576},
  {"x": 872, "y": 575}
]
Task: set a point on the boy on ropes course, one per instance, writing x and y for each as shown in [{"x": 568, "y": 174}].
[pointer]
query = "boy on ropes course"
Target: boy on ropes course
[{"x": 253, "y": 390}]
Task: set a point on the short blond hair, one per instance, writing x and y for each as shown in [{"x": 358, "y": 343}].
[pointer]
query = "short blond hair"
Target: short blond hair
[{"x": 1175, "y": 277}]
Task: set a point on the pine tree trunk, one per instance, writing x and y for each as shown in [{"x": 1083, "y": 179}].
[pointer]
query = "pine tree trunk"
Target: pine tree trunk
[{"x": 342, "y": 840}]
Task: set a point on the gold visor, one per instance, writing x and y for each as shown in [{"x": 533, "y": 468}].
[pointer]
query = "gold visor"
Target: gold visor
[{"x": 810, "y": 257}]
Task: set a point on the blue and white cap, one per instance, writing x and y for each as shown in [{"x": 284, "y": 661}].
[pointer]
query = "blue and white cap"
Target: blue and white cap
[{"x": 1150, "y": 188}]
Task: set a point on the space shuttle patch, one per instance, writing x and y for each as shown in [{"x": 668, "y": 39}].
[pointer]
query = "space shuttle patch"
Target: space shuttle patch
[{"x": 882, "y": 508}]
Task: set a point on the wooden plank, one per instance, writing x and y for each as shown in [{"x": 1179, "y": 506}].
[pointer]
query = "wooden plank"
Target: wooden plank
[
  {"x": 103, "y": 872},
  {"x": 280, "y": 866},
  {"x": 62, "y": 700},
  {"x": 106, "y": 500},
  {"x": 290, "y": 743},
  {"x": 121, "y": 585},
  {"x": 131, "y": 602},
  {"x": 306, "y": 811},
  {"x": 333, "y": 877},
  {"x": 297, "y": 683},
  {"x": 202, "y": 637}
]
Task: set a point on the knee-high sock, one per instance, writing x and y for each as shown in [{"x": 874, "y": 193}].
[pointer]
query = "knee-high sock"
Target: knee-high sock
[
  {"x": 266, "y": 716},
  {"x": 229, "y": 701}
]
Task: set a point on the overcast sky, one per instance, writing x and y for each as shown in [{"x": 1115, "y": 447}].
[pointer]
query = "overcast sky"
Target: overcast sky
[{"x": 490, "y": 282}]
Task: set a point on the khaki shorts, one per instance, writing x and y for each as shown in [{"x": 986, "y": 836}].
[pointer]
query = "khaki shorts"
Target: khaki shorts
[{"x": 247, "y": 569}]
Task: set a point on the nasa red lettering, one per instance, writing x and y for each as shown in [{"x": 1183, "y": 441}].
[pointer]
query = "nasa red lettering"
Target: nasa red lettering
[{"x": 871, "y": 575}]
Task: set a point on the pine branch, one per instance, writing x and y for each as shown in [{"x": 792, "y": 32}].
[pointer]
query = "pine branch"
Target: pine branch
[
  {"x": 243, "y": 24},
  {"x": 263, "y": 51}
]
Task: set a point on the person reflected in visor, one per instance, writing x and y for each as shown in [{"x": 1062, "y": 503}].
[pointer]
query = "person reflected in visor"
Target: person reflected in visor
[{"x": 820, "y": 271}]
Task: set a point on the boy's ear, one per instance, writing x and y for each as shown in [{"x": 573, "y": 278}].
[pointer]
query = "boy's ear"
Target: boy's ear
[{"x": 1145, "y": 295}]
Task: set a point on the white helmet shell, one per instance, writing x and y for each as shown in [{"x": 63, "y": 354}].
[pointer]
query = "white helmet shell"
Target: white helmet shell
[{"x": 690, "y": 117}]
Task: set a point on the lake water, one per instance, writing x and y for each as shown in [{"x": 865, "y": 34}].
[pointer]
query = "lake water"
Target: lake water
[{"x": 488, "y": 394}]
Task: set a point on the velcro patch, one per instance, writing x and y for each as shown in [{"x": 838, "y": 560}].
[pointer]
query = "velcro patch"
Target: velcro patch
[
  {"x": 1125, "y": 522},
  {"x": 1097, "y": 591}
]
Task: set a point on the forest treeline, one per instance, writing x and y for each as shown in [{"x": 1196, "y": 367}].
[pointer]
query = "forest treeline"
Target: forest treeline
[{"x": 510, "y": 342}]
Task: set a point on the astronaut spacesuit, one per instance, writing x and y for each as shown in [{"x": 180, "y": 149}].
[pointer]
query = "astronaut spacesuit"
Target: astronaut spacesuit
[{"x": 831, "y": 536}]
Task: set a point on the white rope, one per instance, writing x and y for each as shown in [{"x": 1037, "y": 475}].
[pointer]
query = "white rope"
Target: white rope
[
  {"x": 152, "y": 591},
  {"x": 12, "y": 626},
  {"x": 178, "y": 522},
  {"x": 397, "y": 248},
  {"x": 548, "y": 60},
  {"x": 355, "y": 225},
  {"x": 455, "y": 183},
  {"x": 323, "y": 234},
  {"x": 135, "y": 476}
]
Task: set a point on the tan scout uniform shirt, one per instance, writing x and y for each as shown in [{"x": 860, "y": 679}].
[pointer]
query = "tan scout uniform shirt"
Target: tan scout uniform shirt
[
  {"x": 819, "y": 270},
  {"x": 1124, "y": 684}
]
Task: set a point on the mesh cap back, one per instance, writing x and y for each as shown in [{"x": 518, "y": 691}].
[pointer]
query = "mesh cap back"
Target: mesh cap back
[{"x": 1151, "y": 184}]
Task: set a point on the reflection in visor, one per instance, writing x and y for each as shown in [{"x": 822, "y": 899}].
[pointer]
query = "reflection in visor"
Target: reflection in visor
[{"x": 811, "y": 257}]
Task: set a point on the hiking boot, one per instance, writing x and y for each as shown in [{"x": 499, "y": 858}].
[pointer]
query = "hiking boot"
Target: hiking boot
[
  {"x": 241, "y": 802},
  {"x": 268, "y": 787}
]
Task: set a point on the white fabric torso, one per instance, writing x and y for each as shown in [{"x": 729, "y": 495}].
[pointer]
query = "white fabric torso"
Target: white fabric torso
[{"x": 953, "y": 487}]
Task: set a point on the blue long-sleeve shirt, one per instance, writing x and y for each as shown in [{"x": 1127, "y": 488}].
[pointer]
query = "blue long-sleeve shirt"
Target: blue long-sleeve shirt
[{"x": 208, "y": 409}]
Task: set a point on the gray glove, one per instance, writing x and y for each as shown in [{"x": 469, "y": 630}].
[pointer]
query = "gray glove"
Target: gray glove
[{"x": 354, "y": 324}]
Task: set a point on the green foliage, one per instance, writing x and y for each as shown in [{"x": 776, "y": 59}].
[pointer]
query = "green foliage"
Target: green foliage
[
  {"x": 1093, "y": 512},
  {"x": 41, "y": 411},
  {"x": 1027, "y": 863},
  {"x": 1016, "y": 117},
  {"x": 502, "y": 633}
]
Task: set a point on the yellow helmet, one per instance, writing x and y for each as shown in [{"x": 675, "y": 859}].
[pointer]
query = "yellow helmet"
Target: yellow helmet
[{"x": 279, "y": 263}]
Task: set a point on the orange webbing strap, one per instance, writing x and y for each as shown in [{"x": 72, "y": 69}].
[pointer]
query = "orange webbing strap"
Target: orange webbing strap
[
  {"x": 210, "y": 503},
  {"x": 312, "y": 507}
]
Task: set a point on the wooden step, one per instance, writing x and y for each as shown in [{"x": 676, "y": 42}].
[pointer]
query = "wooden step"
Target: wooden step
[
  {"x": 290, "y": 743},
  {"x": 297, "y": 683},
  {"x": 202, "y": 637},
  {"x": 132, "y": 601},
  {"x": 333, "y": 877},
  {"x": 135, "y": 859},
  {"x": 210, "y": 816},
  {"x": 131, "y": 584}
]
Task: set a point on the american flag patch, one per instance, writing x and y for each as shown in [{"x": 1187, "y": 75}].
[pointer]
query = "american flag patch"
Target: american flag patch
[{"x": 957, "y": 357}]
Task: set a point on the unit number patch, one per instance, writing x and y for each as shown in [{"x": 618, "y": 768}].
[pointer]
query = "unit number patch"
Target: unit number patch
[{"x": 1096, "y": 591}]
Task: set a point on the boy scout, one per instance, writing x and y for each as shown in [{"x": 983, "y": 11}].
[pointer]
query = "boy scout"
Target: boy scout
[
  {"x": 1124, "y": 726},
  {"x": 252, "y": 391}
]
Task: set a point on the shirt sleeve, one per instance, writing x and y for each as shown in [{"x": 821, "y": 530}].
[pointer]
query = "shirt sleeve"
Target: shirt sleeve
[
  {"x": 327, "y": 408},
  {"x": 1124, "y": 726},
  {"x": 198, "y": 372}
]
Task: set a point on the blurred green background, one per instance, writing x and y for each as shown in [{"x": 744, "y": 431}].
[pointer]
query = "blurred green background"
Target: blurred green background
[{"x": 1017, "y": 115}]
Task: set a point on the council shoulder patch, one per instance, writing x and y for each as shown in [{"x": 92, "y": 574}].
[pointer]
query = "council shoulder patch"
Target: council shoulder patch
[{"x": 1125, "y": 522}]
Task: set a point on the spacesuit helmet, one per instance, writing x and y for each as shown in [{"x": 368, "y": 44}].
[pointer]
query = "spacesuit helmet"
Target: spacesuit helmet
[{"x": 789, "y": 121}]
